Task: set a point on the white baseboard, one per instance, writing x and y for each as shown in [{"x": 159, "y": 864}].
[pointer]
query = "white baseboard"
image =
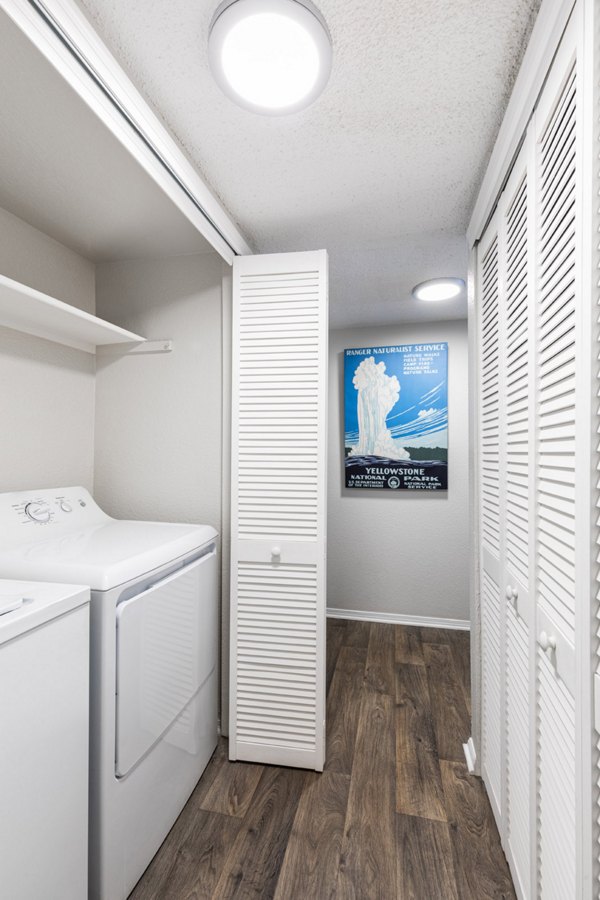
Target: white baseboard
[
  {"x": 470, "y": 755},
  {"x": 398, "y": 619}
]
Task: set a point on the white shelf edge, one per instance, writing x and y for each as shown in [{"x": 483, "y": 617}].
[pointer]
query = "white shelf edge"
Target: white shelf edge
[
  {"x": 25, "y": 309},
  {"x": 164, "y": 346}
]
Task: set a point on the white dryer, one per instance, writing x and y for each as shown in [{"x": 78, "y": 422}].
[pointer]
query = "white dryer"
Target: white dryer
[{"x": 154, "y": 647}]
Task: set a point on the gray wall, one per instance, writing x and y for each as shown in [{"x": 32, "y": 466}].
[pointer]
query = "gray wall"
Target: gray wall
[
  {"x": 158, "y": 416},
  {"x": 404, "y": 553},
  {"x": 46, "y": 390}
]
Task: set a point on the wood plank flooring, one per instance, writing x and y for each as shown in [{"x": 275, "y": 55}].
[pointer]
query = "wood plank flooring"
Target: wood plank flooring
[{"x": 394, "y": 816}]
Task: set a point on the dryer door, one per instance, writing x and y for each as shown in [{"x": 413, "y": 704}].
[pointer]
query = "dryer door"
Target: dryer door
[{"x": 166, "y": 650}]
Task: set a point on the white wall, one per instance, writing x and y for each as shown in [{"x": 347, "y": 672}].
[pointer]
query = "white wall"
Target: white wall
[
  {"x": 46, "y": 390},
  {"x": 158, "y": 416},
  {"x": 404, "y": 553},
  {"x": 33, "y": 258}
]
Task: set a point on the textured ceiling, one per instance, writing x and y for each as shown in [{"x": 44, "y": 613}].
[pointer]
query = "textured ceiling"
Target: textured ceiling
[{"x": 382, "y": 170}]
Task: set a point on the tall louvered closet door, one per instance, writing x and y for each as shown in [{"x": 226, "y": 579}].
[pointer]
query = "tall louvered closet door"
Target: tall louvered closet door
[
  {"x": 278, "y": 521},
  {"x": 506, "y": 463},
  {"x": 558, "y": 465},
  {"x": 490, "y": 507},
  {"x": 516, "y": 239},
  {"x": 534, "y": 565}
]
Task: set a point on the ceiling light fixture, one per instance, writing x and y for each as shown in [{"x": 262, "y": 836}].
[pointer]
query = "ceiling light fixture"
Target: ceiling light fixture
[
  {"x": 438, "y": 289},
  {"x": 270, "y": 56}
]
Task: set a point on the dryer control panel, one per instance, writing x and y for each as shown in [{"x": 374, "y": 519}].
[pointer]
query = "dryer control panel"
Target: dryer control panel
[{"x": 72, "y": 507}]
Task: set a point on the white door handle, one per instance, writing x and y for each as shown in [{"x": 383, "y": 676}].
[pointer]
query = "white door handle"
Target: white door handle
[
  {"x": 275, "y": 552},
  {"x": 509, "y": 591},
  {"x": 547, "y": 642},
  {"x": 512, "y": 594}
]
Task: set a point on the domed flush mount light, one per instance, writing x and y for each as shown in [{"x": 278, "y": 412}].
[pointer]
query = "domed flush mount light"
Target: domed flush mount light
[
  {"x": 438, "y": 289},
  {"x": 270, "y": 56}
]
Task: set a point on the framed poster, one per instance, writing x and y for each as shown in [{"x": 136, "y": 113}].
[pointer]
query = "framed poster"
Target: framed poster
[{"x": 396, "y": 417}]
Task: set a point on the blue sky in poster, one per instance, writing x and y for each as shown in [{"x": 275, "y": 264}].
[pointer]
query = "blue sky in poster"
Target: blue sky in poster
[{"x": 419, "y": 418}]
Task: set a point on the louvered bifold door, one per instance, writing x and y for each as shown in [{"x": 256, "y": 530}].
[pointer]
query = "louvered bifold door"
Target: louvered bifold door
[
  {"x": 490, "y": 510},
  {"x": 278, "y": 518},
  {"x": 516, "y": 228},
  {"x": 558, "y": 349}
]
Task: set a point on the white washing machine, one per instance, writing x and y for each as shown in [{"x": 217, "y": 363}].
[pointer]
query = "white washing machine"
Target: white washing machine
[
  {"x": 44, "y": 734},
  {"x": 153, "y": 680}
]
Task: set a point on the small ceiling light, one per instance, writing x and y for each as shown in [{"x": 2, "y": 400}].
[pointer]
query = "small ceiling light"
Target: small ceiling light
[
  {"x": 438, "y": 289},
  {"x": 270, "y": 56}
]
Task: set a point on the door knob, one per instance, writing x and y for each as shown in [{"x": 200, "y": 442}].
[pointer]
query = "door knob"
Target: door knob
[
  {"x": 275, "y": 552},
  {"x": 512, "y": 593},
  {"x": 547, "y": 642},
  {"x": 509, "y": 591}
]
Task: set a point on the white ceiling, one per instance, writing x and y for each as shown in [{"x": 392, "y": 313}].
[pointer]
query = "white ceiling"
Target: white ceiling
[
  {"x": 67, "y": 175},
  {"x": 382, "y": 170}
]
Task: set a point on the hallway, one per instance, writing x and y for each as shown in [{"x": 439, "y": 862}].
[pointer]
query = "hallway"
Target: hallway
[{"x": 395, "y": 813}]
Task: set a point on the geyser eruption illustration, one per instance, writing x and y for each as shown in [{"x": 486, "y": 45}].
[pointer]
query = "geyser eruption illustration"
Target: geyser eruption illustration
[{"x": 378, "y": 393}]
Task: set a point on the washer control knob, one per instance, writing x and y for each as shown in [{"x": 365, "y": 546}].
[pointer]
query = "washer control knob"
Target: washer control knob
[
  {"x": 38, "y": 512},
  {"x": 66, "y": 507}
]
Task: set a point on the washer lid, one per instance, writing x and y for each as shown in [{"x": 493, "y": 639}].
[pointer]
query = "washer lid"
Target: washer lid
[
  {"x": 36, "y": 604},
  {"x": 106, "y": 555}
]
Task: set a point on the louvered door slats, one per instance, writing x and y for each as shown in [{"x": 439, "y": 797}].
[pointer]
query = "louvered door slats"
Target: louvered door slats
[
  {"x": 489, "y": 362},
  {"x": 517, "y": 386},
  {"x": 515, "y": 226},
  {"x": 556, "y": 728},
  {"x": 490, "y": 426},
  {"x": 278, "y": 509},
  {"x": 517, "y": 741},
  {"x": 557, "y": 479},
  {"x": 491, "y": 685},
  {"x": 557, "y": 360},
  {"x": 535, "y": 354}
]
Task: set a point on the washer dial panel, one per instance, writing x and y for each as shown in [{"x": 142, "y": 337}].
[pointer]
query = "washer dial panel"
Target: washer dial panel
[
  {"x": 38, "y": 511},
  {"x": 48, "y": 510}
]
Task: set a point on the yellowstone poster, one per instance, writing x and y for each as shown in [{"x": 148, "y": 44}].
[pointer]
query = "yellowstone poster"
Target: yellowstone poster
[{"x": 396, "y": 417}]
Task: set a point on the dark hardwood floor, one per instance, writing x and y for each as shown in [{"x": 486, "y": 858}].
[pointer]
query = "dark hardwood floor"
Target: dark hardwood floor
[{"x": 395, "y": 814}]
